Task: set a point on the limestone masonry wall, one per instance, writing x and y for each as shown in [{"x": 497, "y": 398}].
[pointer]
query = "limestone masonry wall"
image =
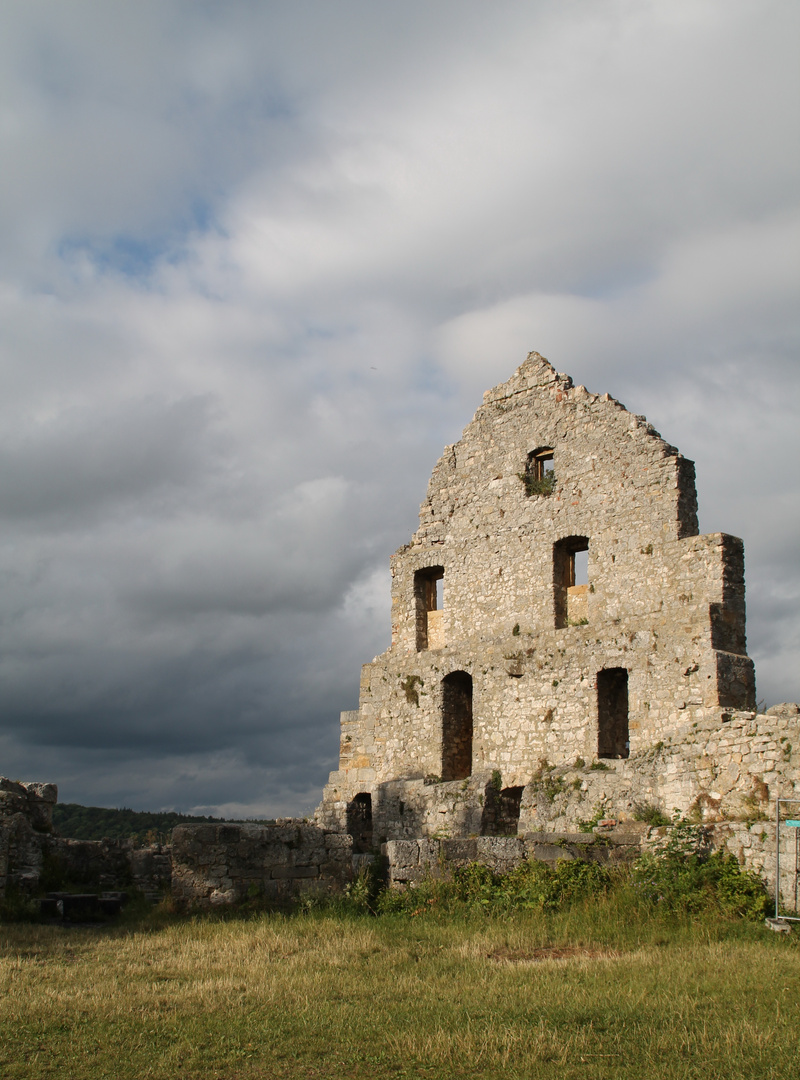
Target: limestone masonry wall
[
  {"x": 411, "y": 861},
  {"x": 516, "y": 697},
  {"x": 222, "y": 864}
]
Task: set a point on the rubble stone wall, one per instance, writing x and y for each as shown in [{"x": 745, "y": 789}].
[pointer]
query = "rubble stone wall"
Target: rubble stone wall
[
  {"x": 408, "y": 862},
  {"x": 35, "y": 801},
  {"x": 411, "y": 861},
  {"x": 30, "y": 854},
  {"x": 700, "y": 771},
  {"x": 223, "y": 864}
]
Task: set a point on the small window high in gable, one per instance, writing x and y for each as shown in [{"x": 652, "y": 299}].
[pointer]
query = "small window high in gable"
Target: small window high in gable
[{"x": 539, "y": 477}]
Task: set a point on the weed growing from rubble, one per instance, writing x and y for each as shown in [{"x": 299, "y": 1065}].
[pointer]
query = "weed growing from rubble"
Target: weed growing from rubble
[
  {"x": 544, "y": 485},
  {"x": 650, "y": 813}
]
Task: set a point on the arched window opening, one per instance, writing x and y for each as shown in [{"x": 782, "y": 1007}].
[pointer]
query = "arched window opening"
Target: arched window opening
[
  {"x": 359, "y": 822},
  {"x": 500, "y": 815},
  {"x": 456, "y": 726},
  {"x": 571, "y": 581},
  {"x": 612, "y": 713},
  {"x": 429, "y": 602}
]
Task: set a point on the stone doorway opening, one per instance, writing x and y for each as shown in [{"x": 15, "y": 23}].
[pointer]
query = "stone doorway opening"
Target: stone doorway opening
[
  {"x": 612, "y": 713},
  {"x": 359, "y": 822},
  {"x": 500, "y": 815},
  {"x": 456, "y": 726}
]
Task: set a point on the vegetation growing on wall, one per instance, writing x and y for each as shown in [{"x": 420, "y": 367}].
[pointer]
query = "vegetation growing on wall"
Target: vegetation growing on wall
[{"x": 534, "y": 485}]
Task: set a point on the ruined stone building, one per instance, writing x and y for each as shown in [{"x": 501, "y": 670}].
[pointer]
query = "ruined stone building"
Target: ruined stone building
[
  {"x": 568, "y": 654},
  {"x": 556, "y": 609}
]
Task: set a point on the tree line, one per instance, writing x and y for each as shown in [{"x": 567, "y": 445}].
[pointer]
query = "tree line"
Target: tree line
[{"x": 98, "y": 822}]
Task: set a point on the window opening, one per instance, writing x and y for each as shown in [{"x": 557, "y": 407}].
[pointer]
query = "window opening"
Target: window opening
[
  {"x": 540, "y": 462},
  {"x": 581, "y": 567},
  {"x": 456, "y": 726},
  {"x": 571, "y": 581},
  {"x": 539, "y": 477},
  {"x": 359, "y": 822},
  {"x": 612, "y": 713},
  {"x": 429, "y": 601}
]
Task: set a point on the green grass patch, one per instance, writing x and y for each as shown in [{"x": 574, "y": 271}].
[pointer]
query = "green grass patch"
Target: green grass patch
[
  {"x": 567, "y": 971},
  {"x": 584, "y": 991}
]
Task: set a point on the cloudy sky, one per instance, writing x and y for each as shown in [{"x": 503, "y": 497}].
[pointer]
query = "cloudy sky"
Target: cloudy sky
[{"x": 258, "y": 262}]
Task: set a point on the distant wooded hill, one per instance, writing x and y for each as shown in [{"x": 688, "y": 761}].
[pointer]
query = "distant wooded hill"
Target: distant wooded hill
[{"x": 97, "y": 822}]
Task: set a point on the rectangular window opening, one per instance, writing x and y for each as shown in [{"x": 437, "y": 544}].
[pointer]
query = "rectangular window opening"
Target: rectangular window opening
[
  {"x": 571, "y": 581},
  {"x": 429, "y": 601}
]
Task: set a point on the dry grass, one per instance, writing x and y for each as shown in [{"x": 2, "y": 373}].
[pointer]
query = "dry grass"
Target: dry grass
[{"x": 316, "y": 996}]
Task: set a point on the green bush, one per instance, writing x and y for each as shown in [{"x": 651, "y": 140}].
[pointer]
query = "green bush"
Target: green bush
[
  {"x": 649, "y": 813},
  {"x": 476, "y": 887},
  {"x": 541, "y": 486},
  {"x": 682, "y": 878}
]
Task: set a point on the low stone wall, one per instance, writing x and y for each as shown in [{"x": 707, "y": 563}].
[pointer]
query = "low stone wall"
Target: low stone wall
[
  {"x": 32, "y": 857},
  {"x": 30, "y": 860},
  {"x": 223, "y": 864},
  {"x": 411, "y": 861},
  {"x": 111, "y": 864},
  {"x": 754, "y": 847}
]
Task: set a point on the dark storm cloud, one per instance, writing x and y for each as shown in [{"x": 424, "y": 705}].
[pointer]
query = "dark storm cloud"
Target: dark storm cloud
[
  {"x": 258, "y": 263},
  {"x": 82, "y": 462}
]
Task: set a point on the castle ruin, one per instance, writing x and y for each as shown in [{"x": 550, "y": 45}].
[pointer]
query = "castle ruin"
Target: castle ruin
[
  {"x": 568, "y": 655},
  {"x": 559, "y": 627}
]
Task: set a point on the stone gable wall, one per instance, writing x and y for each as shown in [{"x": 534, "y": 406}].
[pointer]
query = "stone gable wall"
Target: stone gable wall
[{"x": 662, "y": 603}]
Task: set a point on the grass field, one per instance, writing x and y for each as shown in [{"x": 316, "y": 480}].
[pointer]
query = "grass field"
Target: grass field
[{"x": 594, "y": 991}]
